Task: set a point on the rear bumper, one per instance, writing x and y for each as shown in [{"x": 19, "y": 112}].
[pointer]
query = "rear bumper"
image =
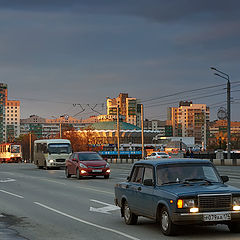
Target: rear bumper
[{"x": 197, "y": 218}]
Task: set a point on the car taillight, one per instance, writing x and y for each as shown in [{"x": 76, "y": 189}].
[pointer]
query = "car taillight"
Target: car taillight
[{"x": 158, "y": 157}]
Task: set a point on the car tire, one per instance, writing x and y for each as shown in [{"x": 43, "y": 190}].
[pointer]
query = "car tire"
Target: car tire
[
  {"x": 234, "y": 227},
  {"x": 129, "y": 217},
  {"x": 78, "y": 174},
  {"x": 106, "y": 176},
  {"x": 67, "y": 173},
  {"x": 168, "y": 228}
]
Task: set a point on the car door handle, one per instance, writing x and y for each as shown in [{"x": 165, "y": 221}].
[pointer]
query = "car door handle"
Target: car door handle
[{"x": 139, "y": 188}]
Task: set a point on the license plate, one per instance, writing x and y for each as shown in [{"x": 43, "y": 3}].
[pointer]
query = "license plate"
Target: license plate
[
  {"x": 97, "y": 170},
  {"x": 216, "y": 217}
]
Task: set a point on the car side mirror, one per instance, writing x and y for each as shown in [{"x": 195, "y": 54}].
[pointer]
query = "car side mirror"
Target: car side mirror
[
  {"x": 225, "y": 178},
  {"x": 148, "y": 182}
]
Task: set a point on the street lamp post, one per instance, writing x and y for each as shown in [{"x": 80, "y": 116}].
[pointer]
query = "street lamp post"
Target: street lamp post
[{"x": 226, "y": 77}]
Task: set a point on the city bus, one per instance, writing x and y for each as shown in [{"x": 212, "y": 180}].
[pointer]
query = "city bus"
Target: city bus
[
  {"x": 51, "y": 153},
  {"x": 10, "y": 152}
]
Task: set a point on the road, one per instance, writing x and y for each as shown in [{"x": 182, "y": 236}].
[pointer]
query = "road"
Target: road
[{"x": 43, "y": 204}]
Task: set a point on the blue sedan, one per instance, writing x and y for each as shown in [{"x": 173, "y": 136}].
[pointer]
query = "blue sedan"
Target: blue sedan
[{"x": 177, "y": 192}]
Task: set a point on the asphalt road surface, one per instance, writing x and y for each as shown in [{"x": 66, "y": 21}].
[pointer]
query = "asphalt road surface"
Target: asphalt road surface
[{"x": 40, "y": 204}]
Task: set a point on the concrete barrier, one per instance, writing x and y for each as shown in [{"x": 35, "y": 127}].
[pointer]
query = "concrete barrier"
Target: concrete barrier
[
  {"x": 228, "y": 162},
  {"x": 238, "y": 162},
  {"x": 126, "y": 161},
  {"x": 217, "y": 162}
]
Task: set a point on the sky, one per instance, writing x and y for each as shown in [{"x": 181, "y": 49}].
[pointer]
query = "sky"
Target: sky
[{"x": 66, "y": 56}]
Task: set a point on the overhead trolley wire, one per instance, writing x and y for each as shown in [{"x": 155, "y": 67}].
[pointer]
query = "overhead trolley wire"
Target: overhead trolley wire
[
  {"x": 187, "y": 91},
  {"x": 205, "y": 96}
]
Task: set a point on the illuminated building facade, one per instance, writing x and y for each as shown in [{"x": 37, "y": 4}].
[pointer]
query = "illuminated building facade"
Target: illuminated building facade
[{"x": 190, "y": 120}]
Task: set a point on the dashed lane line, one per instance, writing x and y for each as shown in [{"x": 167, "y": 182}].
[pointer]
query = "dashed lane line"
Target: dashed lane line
[
  {"x": 11, "y": 194},
  {"x": 88, "y": 223}
]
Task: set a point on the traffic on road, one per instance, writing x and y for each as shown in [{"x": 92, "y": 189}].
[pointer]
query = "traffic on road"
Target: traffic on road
[{"x": 47, "y": 205}]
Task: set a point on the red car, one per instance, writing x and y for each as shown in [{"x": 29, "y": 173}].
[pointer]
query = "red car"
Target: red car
[{"x": 86, "y": 164}]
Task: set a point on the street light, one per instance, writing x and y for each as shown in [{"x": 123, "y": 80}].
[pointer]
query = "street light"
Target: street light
[{"x": 226, "y": 77}]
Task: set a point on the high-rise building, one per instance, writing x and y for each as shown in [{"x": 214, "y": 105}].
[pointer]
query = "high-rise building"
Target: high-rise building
[
  {"x": 190, "y": 120},
  {"x": 12, "y": 120},
  {"x": 129, "y": 108},
  {"x": 3, "y": 98},
  {"x": 9, "y": 116}
]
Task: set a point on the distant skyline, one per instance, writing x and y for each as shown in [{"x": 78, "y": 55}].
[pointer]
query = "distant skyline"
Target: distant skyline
[{"x": 58, "y": 54}]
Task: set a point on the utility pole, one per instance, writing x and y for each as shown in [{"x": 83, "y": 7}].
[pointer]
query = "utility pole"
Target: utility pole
[
  {"x": 30, "y": 147},
  {"x": 60, "y": 130},
  {"x": 142, "y": 126},
  {"x": 226, "y": 77},
  {"x": 229, "y": 119},
  {"x": 118, "y": 133}
]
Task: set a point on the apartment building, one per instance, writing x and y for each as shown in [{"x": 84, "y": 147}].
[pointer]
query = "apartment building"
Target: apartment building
[
  {"x": 9, "y": 116},
  {"x": 190, "y": 120},
  {"x": 12, "y": 120},
  {"x": 129, "y": 108},
  {"x": 220, "y": 127},
  {"x": 3, "y": 99}
]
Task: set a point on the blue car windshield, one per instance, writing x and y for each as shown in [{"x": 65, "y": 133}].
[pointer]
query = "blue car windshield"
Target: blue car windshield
[{"x": 176, "y": 173}]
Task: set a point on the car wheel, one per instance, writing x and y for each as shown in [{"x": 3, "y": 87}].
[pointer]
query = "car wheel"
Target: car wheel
[
  {"x": 67, "y": 173},
  {"x": 78, "y": 174},
  {"x": 234, "y": 227},
  {"x": 106, "y": 176},
  {"x": 129, "y": 217},
  {"x": 168, "y": 228}
]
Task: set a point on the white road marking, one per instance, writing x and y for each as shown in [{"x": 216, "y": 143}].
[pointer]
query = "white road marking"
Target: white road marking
[
  {"x": 11, "y": 194},
  {"x": 88, "y": 223},
  {"x": 7, "y": 180},
  {"x": 106, "y": 210}
]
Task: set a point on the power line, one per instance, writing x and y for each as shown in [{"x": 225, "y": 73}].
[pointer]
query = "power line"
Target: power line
[
  {"x": 187, "y": 91},
  {"x": 205, "y": 96},
  {"x": 189, "y": 97},
  {"x": 182, "y": 92}
]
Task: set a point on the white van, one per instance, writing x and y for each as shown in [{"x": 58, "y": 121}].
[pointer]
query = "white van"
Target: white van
[{"x": 49, "y": 153}]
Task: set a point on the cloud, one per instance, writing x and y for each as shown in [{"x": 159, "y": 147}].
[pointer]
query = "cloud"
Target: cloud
[{"x": 156, "y": 10}]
